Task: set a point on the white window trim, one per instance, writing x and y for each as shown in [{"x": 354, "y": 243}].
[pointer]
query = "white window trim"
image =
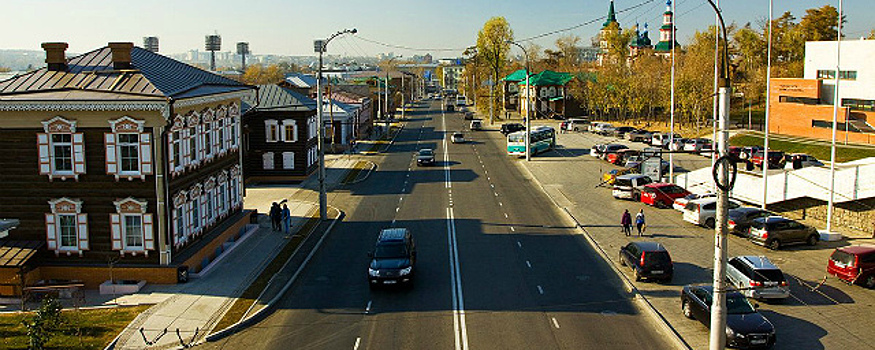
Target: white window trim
[
  {"x": 294, "y": 125},
  {"x": 46, "y": 149},
  {"x": 66, "y": 206},
  {"x": 271, "y": 135}
]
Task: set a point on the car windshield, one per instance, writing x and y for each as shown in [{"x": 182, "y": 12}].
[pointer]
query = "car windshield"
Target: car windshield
[
  {"x": 737, "y": 304},
  {"x": 843, "y": 258},
  {"x": 768, "y": 275},
  {"x": 425, "y": 152},
  {"x": 390, "y": 251}
]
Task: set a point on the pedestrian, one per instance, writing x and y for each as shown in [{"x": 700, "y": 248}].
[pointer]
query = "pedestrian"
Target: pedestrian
[
  {"x": 626, "y": 221},
  {"x": 639, "y": 222},
  {"x": 287, "y": 219},
  {"x": 275, "y": 216}
]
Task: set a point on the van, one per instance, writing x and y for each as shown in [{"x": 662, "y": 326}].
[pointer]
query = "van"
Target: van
[
  {"x": 476, "y": 124},
  {"x": 575, "y": 124},
  {"x": 703, "y": 211},
  {"x": 854, "y": 264},
  {"x": 661, "y": 139},
  {"x": 756, "y": 277}
]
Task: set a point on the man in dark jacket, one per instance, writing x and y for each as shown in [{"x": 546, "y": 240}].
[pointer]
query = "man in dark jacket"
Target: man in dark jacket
[{"x": 275, "y": 216}]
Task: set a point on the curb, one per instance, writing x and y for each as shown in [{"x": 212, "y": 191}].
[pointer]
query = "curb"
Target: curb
[
  {"x": 263, "y": 312},
  {"x": 392, "y": 142},
  {"x": 371, "y": 168},
  {"x": 667, "y": 328}
]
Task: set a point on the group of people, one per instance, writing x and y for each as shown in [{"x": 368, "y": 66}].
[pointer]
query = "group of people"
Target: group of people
[
  {"x": 280, "y": 217},
  {"x": 626, "y": 222}
]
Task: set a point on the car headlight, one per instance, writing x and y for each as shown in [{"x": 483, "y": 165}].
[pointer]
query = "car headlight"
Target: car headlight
[
  {"x": 373, "y": 273},
  {"x": 406, "y": 271},
  {"x": 730, "y": 333}
]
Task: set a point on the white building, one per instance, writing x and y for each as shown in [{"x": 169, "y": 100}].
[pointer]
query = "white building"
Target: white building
[{"x": 857, "y": 85}]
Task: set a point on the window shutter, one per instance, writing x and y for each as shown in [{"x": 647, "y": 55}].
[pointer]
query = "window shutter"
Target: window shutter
[
  {"x": 203, "y": 211},
  {"x": 295, "y": 131},
  {"x": 188, "y": 206},
  {"x": 42, "y": 141},
  {"x": 148, "y": 232},
  {"x": 215, "y": 140},
  {"x": 115, "y": 222},
  {"x": 79, "y": 154},
  {"x": 171, "y": 156},
  {"x": 228, "y": 135},
  {"x": 288, "y": 160},
  {"x": 176, "y": 235},
  {"x": 82, "y": 221},
  {"x": 183, "y": 146},
  {"x": 146, "y": 153},
  {"x": 51, "y": 232},
  {"x": 111, "y": 159},
  {"x": 202, "y": 148}
]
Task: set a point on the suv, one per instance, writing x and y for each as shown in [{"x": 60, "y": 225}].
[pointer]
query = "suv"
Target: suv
[
  {"x": 629, "y": 186},
  {"x": 611, "y": 148},
  {"x": 509, "y": 128},
  {"x": 393, "y": 258},
  {"x": 776, "y": 231},
  {"x": 648, "y": 260},
  {"x": 703, "y": 212},
  {"x": 740, "y": 218},
  {"x": 853, "y": 264},
  {"x": 476, "y": 124},
  {"x": 756, "y": 277},
  {"x": 775, "y": 159}
]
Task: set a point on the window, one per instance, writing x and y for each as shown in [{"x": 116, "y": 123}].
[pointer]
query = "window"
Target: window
[
  {"x": 129, "y": 152},
  {"x": 67, "y": 231},
  {"x": 129, "y": 149},
  {"x": 831, "y": 74},
  {"x": 176, "y": 149},
  {"x": 271, "y": 130},
  {"x": 62, "y": 153},
  {"x": 180, "y": 225},
  {"x": 61, "y": 149},
  {"x": 208, "y": 137},
  {"x": 133, "y": 230},
  {"x": 234, "y": 135},
  {"x": 267, "y": 160},
  {"x": 195, "y": 214},
  {"x": 802, "y": 100},
  {"x": 288, "y": 160},
  {"x": 290, "y": 130},
  {"x": 193, "y": 137},
  {"x": 220, "y": 135},
  {"x": 859, "y": 104},
  {"x": 66, "y": 226}
]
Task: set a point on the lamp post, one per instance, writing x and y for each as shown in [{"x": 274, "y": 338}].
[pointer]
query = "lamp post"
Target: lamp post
[
  {"x": 320, "y": 46},
  {"x": 724, "y": 184},
  {"x": 528, "y": 100}
]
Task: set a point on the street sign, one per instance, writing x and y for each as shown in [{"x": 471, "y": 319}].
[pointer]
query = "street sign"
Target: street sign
[{"x": 652, "y": 164}]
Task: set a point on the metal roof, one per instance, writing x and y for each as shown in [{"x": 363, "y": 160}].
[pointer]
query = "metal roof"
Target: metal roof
[
  {"x": 277, "y": 98},
  {"x": 151, "y": 76},
  {"x": 17, "y": 253}
]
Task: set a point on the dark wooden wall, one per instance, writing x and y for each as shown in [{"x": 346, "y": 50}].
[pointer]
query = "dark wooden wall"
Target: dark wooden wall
[{"x": 253, "y": 126}]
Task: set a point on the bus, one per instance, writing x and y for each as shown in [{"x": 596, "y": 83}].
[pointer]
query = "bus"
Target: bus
[{"x": 543, "y": 139}]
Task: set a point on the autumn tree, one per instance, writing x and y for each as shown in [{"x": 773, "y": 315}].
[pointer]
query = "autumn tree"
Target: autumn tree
[
  {"x": 492, "y": 50},
  {"x": 258, "y": 74}
]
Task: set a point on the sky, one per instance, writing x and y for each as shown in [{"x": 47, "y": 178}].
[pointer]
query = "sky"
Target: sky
[{"x": 288, "y": 27}]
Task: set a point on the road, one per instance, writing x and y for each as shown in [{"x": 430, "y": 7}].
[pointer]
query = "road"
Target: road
[{"x": 498, "y": 266}]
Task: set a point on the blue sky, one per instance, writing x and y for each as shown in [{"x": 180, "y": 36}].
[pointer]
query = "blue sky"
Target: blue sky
[{"x": 288, "y": 27}]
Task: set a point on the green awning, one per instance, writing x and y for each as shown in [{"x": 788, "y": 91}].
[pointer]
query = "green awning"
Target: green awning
[
  {"x": 518, "y": 75},
  {"x": 557, "y": 98}
]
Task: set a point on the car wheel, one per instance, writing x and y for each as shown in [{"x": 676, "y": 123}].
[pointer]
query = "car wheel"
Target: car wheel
[
  {"x": 688, "y": 311},
  {"x": 622, "y": 261},
  {"x": 812, "y": 240},
  {"x": 869, "y": 282},
  {"x": 709, "y": 223},
  {"x": 576, "y": 129},
  {"x": 637, "y": 276},
  {"x": 774, "y": 244}
]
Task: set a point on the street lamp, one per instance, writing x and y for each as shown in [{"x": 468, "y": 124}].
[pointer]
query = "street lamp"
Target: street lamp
[
  {"x": 528, "y": 101},
  {"x": 320, "y": 46}
]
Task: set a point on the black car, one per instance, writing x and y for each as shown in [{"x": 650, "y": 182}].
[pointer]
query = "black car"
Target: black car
[
  {"x": 740, "y": 218},
  {"x": 425, "y": 157},
  {"x": 745, "y": 327},
  {"x": 508, "y": 128},
  {"x": 648, "y": 260},
  {"x": 393, "y": 258}
]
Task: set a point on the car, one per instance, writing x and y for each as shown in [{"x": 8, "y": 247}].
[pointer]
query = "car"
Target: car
[
  {"x": 756, "y": 277},
  {"x": 660, "y": 139},
  {"x": 620, "y": 156},
  {"x": 425, "y": 157},
  {"x": 610, "y": 176},
  {"x": 575, "y": 124},
  {"x": 611, "y": 148},
  {"x": 676, "y": 144},
  {"x": 746, "y": 152},
  {"x": 600, "y": 128},
  {"x": 633, "y": 161},
  {"x": 629, "y": 186},
  {"x": 800, "y": 160},
  {"x": 393, "y": 258},
  {"x": 680, "y": 204},
  {"x": 853, "y": 264},
  {"x": 509, "y": 128},
  {"x": 648, "y": 260},
  {"x": 662, "y": 194},
  {"x": 620, "y": 132},
  {"x": 703, "y": 212},
  {"x": 468, "y": 115},
  {"x": 476, "y": 124},
  {"x": 745, "y": 327},
  {"x": 698, "y": 145},
  {"x": 775, "y": 232},
  {"x": 458, "y": 137},
  {"x": 776, "y": 159},
  {"x": 639, "y": 135},
  {"x": 741, "y": 218},
  {"x": 596, "y": 150}
]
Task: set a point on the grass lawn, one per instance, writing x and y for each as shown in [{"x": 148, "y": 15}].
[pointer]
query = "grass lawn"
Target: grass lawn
[
  {"x": 819, "y": 151},
  {"x": 84, "y": 329}
]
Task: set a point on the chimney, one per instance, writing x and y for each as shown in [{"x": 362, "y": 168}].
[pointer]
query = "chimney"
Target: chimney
[
  {"x": 121, "y": 55},
  {"x": 55, "y": 58}
]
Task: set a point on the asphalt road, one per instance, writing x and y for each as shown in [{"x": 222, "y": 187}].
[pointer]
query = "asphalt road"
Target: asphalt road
[{"x": 498, "y": 266}]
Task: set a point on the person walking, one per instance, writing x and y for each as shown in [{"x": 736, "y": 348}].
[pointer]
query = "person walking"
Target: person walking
[
  {"x": 626, "y": 221},
  {"x": 275, "y": 216},
  {"x": 287, "y": 219},
  {"x": 639, "y": 222}
]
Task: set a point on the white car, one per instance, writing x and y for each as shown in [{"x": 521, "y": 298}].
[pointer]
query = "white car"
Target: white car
[
  {"x": 680, "y": 204},
  {"x": 703, "y": 212},
  {"x": 697, "y": 145},
  {"x": 458, "y": 137},
  {"x": 629, "y": 186},
  {"x": 600, "y": 128}
]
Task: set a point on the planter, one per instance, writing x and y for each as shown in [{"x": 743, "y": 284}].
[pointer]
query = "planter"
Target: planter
[{"x": 121, "y": 287}]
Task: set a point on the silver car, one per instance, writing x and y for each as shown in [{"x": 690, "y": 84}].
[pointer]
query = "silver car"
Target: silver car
[{"x": 756, "y": 277}]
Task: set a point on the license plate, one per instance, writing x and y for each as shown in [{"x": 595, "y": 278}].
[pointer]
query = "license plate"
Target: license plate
[
  {"x": 657, "y": 272},
  {"x": 389, "y": 282},
  {"x": 757, "y": 341}
]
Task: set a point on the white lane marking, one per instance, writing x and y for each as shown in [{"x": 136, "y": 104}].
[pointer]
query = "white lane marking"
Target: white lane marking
[
  {"x": 401, "y": 199},
  {"x": 540, "y": 290},
  {"x": 358, "y": 341},
  {"x": 529, "y": 264},
  {"x": 393, "y": 222},
  {"x": 555, "y": 323},
  {"x": 518, "y": 244},
  {"x": 461, "y": 330},
  {"x": 491, "y": 185},
  {"x": 499, "y": 204},
  {"x": 512, "y": 229},
  {"x": 368, "y": 308},
  {"x": 397, "y": 209}
]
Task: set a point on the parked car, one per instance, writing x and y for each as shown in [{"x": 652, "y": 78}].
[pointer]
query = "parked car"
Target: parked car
[
  {"x": 676, "y": 144},
  {"x": 661, "y": 139},
  {"x": 610, "y": 176},
  {"x": 629, "y": 186},
  {"x": 600, "y": 128},
  {"x": 661, "y": 194},
  {"x": 800, "y": 160},
  {"x": 458, "y": 137},
  {"x": 703, "y": 211},
  {"x": 741, "y": 218},
  {"x": 393, "y": 258},
  {"x": 620, "y": 156},
  {"x": 425, "y": 157},
  {"x": 775, "y": 231},
  {"x": 698, "y": 145},
  {"x": 611, "y": 148},
  {"x": 854, "y": 264},
  {"x": 469, "y": 115},
  {"x": 476, "y": 124},
  {"x": 680, "y": 204},
  {"x": 633, "y": 161},
  {"x": 639, "y": 135},
  {"x": 597, "y": 149},
  {"x": 745, "y": 327},
  {"x": 648, "y": 260},
  {"x": 620, "y": 132},
  {"x": 575, "y": 124},
  {"x": 509, "y": 128},
  {"x": 756, "y": 277},
  {"x": 747, "y": 152},
  {"x": 776, "y": 159}
]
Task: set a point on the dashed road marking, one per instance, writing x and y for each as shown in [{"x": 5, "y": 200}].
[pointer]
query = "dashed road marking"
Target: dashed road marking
[
  {"x": 518, "y": 244},
  {"x": 555, "y": 323},
  {"x": 529, "y": 264},
  {"x": 540, "y": 290},
  {"x": 512, "y": 229},
  {"x": 368, "y": 308},
  {"x": 505, "y": 216},
  {"x": 358, "y": 341}
]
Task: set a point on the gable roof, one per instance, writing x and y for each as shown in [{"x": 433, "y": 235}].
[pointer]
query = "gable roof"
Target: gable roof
[
  {"x": 302, "y": 81},
  {"x": 518, "y": 75},
  {"x": 276, "y": 98},
  {"x": 549, "y": 77},
  {"x": 91, "y": 76}
]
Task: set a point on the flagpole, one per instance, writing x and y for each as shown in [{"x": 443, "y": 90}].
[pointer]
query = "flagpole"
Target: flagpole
[{"x": 835, "y": 116}]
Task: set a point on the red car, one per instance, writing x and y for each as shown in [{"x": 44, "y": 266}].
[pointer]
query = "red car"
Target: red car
[
  {"x": 620, "y": 157},
  {"x": 661, "y": 194},
  {"x": 854, "y": 264}
]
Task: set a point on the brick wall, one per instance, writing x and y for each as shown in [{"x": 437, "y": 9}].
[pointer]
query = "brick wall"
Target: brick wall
[{"x": 93, "y": 276}]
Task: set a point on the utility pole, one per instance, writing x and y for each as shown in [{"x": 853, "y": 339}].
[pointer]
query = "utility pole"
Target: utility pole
[
  {"x": 320, "y": 46},
  {"x": 528, "y": 104}
]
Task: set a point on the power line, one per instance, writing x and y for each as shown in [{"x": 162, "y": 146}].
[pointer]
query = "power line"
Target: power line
[
  {"x": 584, "y": 23},
  {"x": 401, "y": 47}
]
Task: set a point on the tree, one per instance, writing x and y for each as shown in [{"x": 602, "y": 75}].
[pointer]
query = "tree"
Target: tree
[
  {"x": 871, "y": 35},
  {"x": 492, "y": 49},
  {"x": 45, "y": 321},
  {"x": 820, "y": 24},
  {"x": 257, "y": 74}
]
